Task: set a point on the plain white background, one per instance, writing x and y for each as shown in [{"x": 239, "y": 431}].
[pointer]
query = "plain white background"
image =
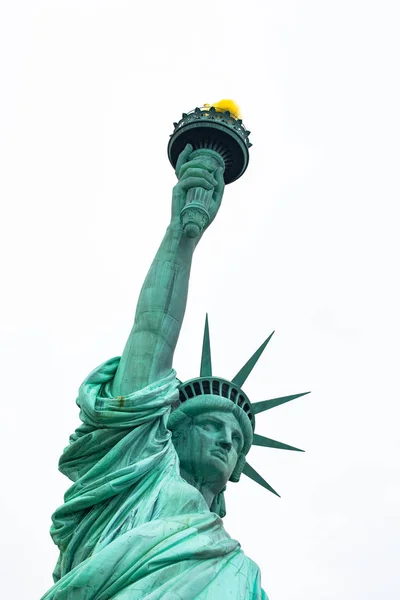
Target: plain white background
[{"x": 306, "y": 243}]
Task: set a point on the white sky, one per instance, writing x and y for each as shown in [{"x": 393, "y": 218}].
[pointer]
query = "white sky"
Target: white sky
[{"x": 306, "y": 243}]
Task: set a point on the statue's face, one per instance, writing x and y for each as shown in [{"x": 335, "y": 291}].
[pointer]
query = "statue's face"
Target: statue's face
[{"x": 209, "y": 447}]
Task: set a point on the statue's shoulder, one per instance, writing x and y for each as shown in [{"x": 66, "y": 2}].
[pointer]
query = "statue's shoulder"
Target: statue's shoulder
[{"x": 177, "y": 497}]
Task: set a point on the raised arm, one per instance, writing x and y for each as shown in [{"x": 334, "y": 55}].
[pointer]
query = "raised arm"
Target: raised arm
[{"x": 161, "y": 306}]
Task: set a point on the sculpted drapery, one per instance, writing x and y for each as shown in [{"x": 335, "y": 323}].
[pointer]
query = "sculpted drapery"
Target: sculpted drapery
[{"x": 131, "y": 527}]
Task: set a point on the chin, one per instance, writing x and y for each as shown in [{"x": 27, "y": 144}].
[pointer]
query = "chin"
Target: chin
[{"x": 218, "y": 465}]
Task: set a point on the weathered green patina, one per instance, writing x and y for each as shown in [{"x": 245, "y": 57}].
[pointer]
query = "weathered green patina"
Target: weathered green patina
[{"x": 152, "y": 458}]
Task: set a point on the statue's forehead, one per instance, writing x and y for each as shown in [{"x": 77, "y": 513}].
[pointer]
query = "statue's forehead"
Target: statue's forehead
[{"x": 217, "y": 415}]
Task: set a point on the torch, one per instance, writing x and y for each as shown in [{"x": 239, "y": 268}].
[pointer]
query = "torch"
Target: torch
[{"x": 219, "y": 139}]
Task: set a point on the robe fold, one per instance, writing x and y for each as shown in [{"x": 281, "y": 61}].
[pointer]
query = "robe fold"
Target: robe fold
[{"x": 130, "y": 527}]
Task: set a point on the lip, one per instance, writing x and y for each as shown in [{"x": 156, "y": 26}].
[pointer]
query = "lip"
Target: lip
[{"x": 219, "y": 454}]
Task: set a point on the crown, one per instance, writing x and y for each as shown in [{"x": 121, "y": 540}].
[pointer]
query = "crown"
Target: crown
[
  {"x": 217, "y": 129},
  {"x": 231, "y": 391}
]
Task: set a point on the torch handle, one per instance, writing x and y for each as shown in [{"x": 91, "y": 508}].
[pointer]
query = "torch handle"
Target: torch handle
[{"x": 195, "y": 215}]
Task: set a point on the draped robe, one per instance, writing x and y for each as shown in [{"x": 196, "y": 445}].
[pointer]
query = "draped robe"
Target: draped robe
[{"x": 130, "y": 527}]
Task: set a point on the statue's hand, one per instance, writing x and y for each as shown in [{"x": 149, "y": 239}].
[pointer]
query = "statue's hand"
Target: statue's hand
[{"x": 192, "y": 174}]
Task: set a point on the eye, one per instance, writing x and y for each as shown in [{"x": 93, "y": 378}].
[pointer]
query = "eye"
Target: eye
[
  {"x": 237, "y": 438},
  {"x": 208, "y": 426}
]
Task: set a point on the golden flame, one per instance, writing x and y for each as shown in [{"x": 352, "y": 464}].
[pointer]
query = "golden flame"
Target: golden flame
[{"x": 227, "y": 104}]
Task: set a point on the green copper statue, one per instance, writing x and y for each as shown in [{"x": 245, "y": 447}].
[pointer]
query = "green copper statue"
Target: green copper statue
[{"x": 152, "y": 458}]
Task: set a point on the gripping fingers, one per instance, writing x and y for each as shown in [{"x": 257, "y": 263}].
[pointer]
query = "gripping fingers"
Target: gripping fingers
[
  {"x": 219, "y": 177},
  {"x": 196, "y": 163},
  {"x": 198, "y": 172},
  {"x": 190, "y": 182},
  {"x": 182, "y": 158}
]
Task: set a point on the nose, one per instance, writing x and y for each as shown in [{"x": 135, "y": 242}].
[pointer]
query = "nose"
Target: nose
[
  {"x": 225, "y": 445},
  {"x": 225, "y": 440}
]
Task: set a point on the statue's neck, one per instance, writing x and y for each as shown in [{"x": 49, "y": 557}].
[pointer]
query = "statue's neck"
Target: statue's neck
[{"x": 204, "y": 488}]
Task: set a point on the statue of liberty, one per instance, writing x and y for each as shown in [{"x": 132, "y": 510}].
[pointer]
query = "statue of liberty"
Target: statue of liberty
[{"x": 153, "y": 456}]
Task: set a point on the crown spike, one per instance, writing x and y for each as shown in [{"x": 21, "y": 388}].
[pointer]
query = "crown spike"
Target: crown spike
[
  {"x": 245, "y": 371},
  {"x": 260, "y": 440},
  {"x": 205, "y": 367},
  {"x": 259, "y": 407},
  {"x": 252, "y": 473}
]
